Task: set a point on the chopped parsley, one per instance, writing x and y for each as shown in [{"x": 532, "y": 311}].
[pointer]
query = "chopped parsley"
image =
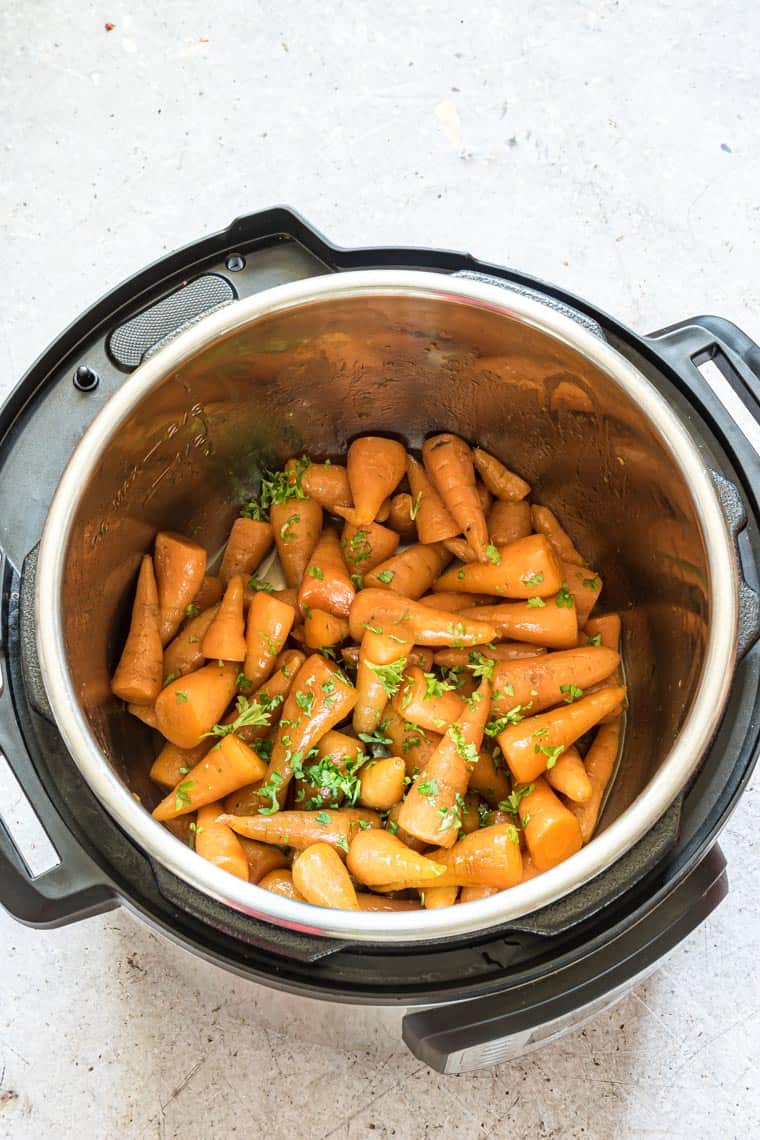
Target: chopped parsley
[
  {"x": 392, "y": 826},
  {"x": 389, "y": 676},
  {"x": 192, "y": 610},
  {"x": 332, "y": 784},
  {"x": 514, "y": 716},
  {"x": 377, "y": 737},
  {"x": 250, "y": 714},
  {"x": 533, "y": 579},
  {"x": 460, "y": 574},
  {"x": 512, "y": 802},
  {"x": 415, "y": 506},
  {"x": 242, "y": 683},
  {"x": 357, "y": 581},
  {"x": 592, "y": 583},
  {"x": 386, "y": 576},
  {"x": 564, "y": 597},
  {"x": 255, "y": 583},
  {"x": 169, "y": 678},
  {"x": 492, "y": 554},
  {"x": 182, "y": 797},
  {"x": 552, "y": 753},
  {"x": 536, "y": 603},
  {"x": 342, "y": 843},
  {"x": 305, "y": 701},
  {"x": 466, "y": 750},
  {"x": 595, "y": 639},
  {"x": 429, "y": 789},
  {"x": 434, "y": 687},
  {"x": 359, "y": 548},
  {"x": 181, "y": 697},
  {"x": 315, "y": 572},
  {"x": 270, "y": 791},
  {"x": 480, "y": 665},
  {"x": 571, "y": 692},
  {"x": 286, "y": 531},
  {"x": 322, "y": 818}
]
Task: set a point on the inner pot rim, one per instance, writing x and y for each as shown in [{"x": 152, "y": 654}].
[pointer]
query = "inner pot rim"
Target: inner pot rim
[{"x": 413, "y": 926}]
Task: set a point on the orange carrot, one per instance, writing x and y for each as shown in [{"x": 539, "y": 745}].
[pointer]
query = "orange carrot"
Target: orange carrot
[
  {"x": 173, "y": 763},
  {"x": 568, "y": 776},
  {"x": 585, "y": 586},
  {"x": 401, "y": 517},
  {"x": 280, "y": 882},
  {"x": 538, "y": 741},
  {"x": 267, "y": 628},
  {"x": 375, "y": 467},
  {"x": 321, "y": 877},
  {"x": 472, "y": 894},
  {"x": 413, "y": 744},
  {"x": 382, "y": 659},
  {"x": 599, "y": 765},
  {"x": 273, "y": 693},
  {"x": 382, "y": 783},
  {"x": 224, "y": 639},
  {"x": 327, "y": 484},
  {"x": 297, "y": 525},
  {"x": 228, "y": 766},
  {"x": 249, "y": 541},
  {"x": 453, "y": 602},
  {"x": 185, "y": 653},
  {"x": 508, "y": 521},
  {"x": 192, "y": 705},
  {"x": 448, "y": 461},
  {"x": 299, "y": 829},
  {"x": 180, "y": 566},
  {"x": 409, "y": 573},
  {"x": 393, "y": 614},
  {"x": 383, "y": 511},
  {"x": 145, "y": 713},
  {"x": 461, "y": 549},
  {"x": 469, "y": 658},
  {"x": 370, "y": 902},
  {"x": 218, "y": 843},
  {"x": 546, "y": 522},
  {"x": 551, "y": 830},
  {"x": 501, "y": 482},
  {"x": 549, "y": 622},
  {"x": 433, "y": 521},
  {"x": 366, "y": 547},
  {"x": 326, "y": 584},
  {"x": 489, "y": 778},
  {"x": 426, "y": 701},
  {"x": 435, "y": 897},
  {"x": 323, "y": 630},
  {"x": 489, "y": 857},
  {"x": 530, "y": 870},
  {"x": 550, "y": 679},
  {"x": 377, "y": 858},
  {"x": 261, "y": 857},
  {"x": 140, "y": 672},
  {"x": 525, "y": 569},
  {"x": 484, "y": 497},
  {"x": 209, "y": 594},
  {"x": 606, "y": 628}
]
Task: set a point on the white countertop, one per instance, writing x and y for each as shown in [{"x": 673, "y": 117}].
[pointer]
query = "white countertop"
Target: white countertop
[{"x": 610, "y": 148}]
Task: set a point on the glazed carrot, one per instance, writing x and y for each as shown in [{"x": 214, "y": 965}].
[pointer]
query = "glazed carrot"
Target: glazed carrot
[
  {"x": 375, "y": 467},
  {"x": 489, "y": 857},
  {"x": 552, "y": 832},
  {"x": 473, "y": 894},
  {"x": 550, "y": 679},
  {"x": 249, "y": 541},
  {"x": 453, "y": 602},
  {"x": 448, "y": 461},
  {"x": 433, "y": 520},
  {"x": 377, "y": 858},
  {"x": 484, "y": 497},
  {"x": 366, "y": 547},
  {"x": 300, "y": 829},
  {"x": 568, "y": 776},
  {"x": 297, "y": 525},
  {"x": 525, "y": 569},
  {"x": 228, "y": 766},
  {"x": 552, "y": 624},
  {"x": 180, "y": 567},
  {"x": 426, "y": 701},
  {"x": 546, "y": 522},
  {"x": 403, "y": 617},
  {"x": 267, "y": 627},
  {"x": 499, "y": 480},
  {"x": 193, "y": 704},
  {"x": 410, "y": 573},
  {"x": 173, "y": 763},
  {"x": 208, "y": 595},
  {"x": 470, "y": 812},
  {"x": 382, "y": 783},
  {"x": 461, "y": 549},
  {"x": 472, "y": 658},
  {"x": 431, "y": 810},
  {"x": 585, "y": 586},
  {"x": 261, "y": 857},
  {"x": 383, "y": 511},
  {"x": 599, "y": 764},
  {"x": 322, "y": 630},
  {"x": 508, "y": 521},
  {"x": 374, "y": 903},
  {"x": 327, "y": 484},
  {"x": 489, "y": 778},
  {"x": 281, "y": 883},
  {"x": 435, "y": 897},
  {"x": 537, "y": 741},
  {"x": 606, "y": 628},
  {"x": 224, "y": 639},
  {"x": 218, "y": 843},
  {"x": 273, "y": 692},
  {"x": 392, "y": 825},
  {"x": 326, "y": 584},
  {"x": 185, "y": 653},
  {"x": 382, "y": 659},
  {"x": 400, "y": 518},
  {"x": 181, "y": 829},
  {"x": 337, "y": 746},
  {"x": 409, "y": 741},
  {"x": 145, "y": 713},
  {"x": 140, "y": 672},
  {"x": 321, "y": 877},
  {"x": 530, "y": 870}
]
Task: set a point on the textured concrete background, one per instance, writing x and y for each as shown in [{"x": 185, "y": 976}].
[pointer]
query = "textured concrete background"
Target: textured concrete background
[{"x": 605, "y": 146}]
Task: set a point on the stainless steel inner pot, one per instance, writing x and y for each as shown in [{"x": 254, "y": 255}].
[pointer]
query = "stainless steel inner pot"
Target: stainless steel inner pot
[{"x": 305, "y": 367}]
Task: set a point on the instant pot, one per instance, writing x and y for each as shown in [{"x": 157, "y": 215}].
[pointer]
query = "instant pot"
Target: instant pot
[{"x": 264, "y": 341}]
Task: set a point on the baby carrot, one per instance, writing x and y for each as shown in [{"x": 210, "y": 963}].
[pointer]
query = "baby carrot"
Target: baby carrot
[
  {"x": 180, "y": 567},
  {"x": 321, "y": 877},
  {"x": 453, "y": 602},
  {"x": 365, "y": 547},
  {"x": 280, "y": 882},
  {"x": 375, "y": 467},
  {"x": 489, "y": 857},
  {"x": 472, "y": 894},
  {"x": 426, "y": 701},
  {"x": 173, "y": 763},
  {"x": 549, "y": 622},
  {"x": 551, "y": 831},
  {"x": 499, "y": 480},
  {"x": 218, "y": 843},
  {"x": 228, "y": 766},
  {"x": 377, "y": 858},
  {"x": 585, "y": 586},
  {"x": 569, "y": 777},
  {"x": 435, "y": 897},
  {"x": 297, "y": 525},
  {"x": 401, "y": 517},
  {"x": 473, "y": 658},
  {"x": 461, "y": 549},
  {"x": 193, "y": 704},
  {"x": 268, "y": 625},
  {"x": 410, "y": 573},
  {"x": 140, "y": 672},
  {"x": 546, "y": 522},
  {"x": 603, "y": 630},
  {"x": 261, "y": 857},
  {"x": 550, "y": 679},
  {"x": 527, "y": 568},
  {"x": 433, "y": 520},
  {"x": 326, "y": 584},
  {"x": 249, "y": 541},
  {"x": 145, "y": 713},
  {"x": 537, "y": 742},
  {"x": 384, "y": 611},
  {"x": 382, "y": 660},
  {"x": 327, "y": 484},
  {"x": 322, "y": 630},
  {"x": 489, "y": 778},
  {"x": 508, "y": 521},
  {"x": 224, "y": 639},
  {"x": 409, "y": 741},
  {"x": 449, "y": 463},
  {"x": 375, "y": 903},
  {"x": 599, "y": 764},
  {"x": 382, "y": 783},
  {"x": 208, "y": 595},
  {"x": 383, "y": 511},
  {"x": 299, "y": 829}
]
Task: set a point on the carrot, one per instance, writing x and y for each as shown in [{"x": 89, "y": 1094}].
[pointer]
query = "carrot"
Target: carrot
[
  {"x": 470, "y": 658},
  {"x": 338, "y": 746},
  {"x": 297, "y": 525},
  {"x": 261, "y": 857},
  {"x": 273, "y": 693},
  {"x": 366, "y": 547},
  {"x": 435, "y": 897},
  {"x": 193, "y": 704},
  {"x": 499, "y": 480},
  {"x": 268, "y": 625},
  {"x": 485, "y": 497},
  {"x": 224, "y": 639},
  {"x": 508, "y": 521},
  {"x": 300, "y": 829},
  {"x": 403, "y": 617},
  {"x": 552, "y": 832},
  {"x": 322, "y": 630},
  {"x": 606, "y": 628},
  {"x": 473, "y": 894},
  {"x": 218, "y": 843},
  {"x": 228, "y": 766},
  {"x": 321, "y": 877},
  {"x": 140, "y": 672},
  {"x": 599, "y": 765},
  {"x": 392, "y": 825},
  {"x": 449, "y": 463},
  {"x": 453, "y": 602},
  {"x": 489, "y": 857},
  {"x": 173, "y": 763},
  {"x": 180, "y": 566},
  {"x": 401, "y": 518},
  {"x": 489, "y": 778},
  {"x": 327, "y": 484},
  {"x": 585, "y": 586},
  {"x": 185, "y": 653},
  {"x": 546, "y": 522},
  {"x": 377, "y": 858},
  {"x": 145, "y": 713},
  {"x": 431, "y": 810},
  {"x": 374, "y": 903},
  {"x": 383, "y": 511},
  {"x": 538, "y": 741},
  {"x": 410, "y": 573},
  {"x": 550, "y": 679},
  {"x": 549, "y": 622},
  {"x": 460, "y": 548},
  {"x": 382, "y": 783},
  {"x": 433, "y": 520},
  {"x": 208, "y": 595},
  {"x": 530, "y": 870},
  {"x": 382, "y": 659},
  {"x": 470, "y": 812},
  {"x": 375, "y": 467},
  {"x": 249, "y": 541},
  {"x": 426, "y": 701},
  {"x": 525, "y": 569},
  {"x": 281, "y": 883},
  {"x": 568, "y": 776},
  {"x": 326, "y": 584},
  {"x": 413, "y": 744}
]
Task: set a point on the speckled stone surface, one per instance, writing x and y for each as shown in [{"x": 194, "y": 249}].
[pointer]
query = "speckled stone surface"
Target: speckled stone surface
[{"x": 608, "y": 147}]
